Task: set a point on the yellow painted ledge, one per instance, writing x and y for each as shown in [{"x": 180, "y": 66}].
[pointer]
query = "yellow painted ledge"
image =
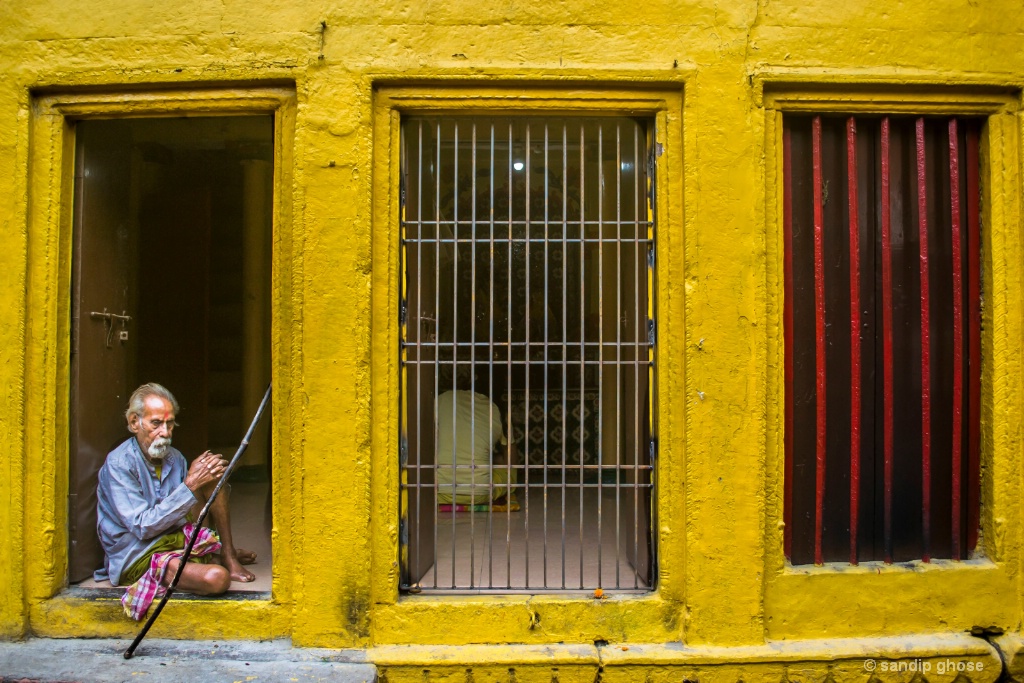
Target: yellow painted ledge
[
  {"x": 182, "y": 618},
  {"x": 937, "y": 658},
  {"x": 477, "y": 663}
]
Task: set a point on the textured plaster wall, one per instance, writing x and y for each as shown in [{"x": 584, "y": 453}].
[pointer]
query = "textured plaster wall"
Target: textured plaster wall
[{"x": 715, "y": 291}]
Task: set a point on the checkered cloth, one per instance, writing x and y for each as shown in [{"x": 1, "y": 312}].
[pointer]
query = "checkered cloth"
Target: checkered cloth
[{"x": 141, "y": 594}]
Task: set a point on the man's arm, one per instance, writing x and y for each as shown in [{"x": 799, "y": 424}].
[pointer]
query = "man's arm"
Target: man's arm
[{"x": 142, "y": 518}]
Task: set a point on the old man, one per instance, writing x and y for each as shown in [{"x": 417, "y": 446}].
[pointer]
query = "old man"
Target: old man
[{"x": 147, "y": 493}]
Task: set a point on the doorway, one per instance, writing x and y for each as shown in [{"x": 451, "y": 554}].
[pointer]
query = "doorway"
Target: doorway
[{"x": 171, "y": 283}]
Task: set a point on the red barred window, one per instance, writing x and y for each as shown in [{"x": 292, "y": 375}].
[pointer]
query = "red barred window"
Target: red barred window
[{"x": 882, "y": 333}]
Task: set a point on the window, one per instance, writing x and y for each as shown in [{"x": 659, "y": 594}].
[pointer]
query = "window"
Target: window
[
  {"x": 882, "y": 337},
  {"x": 527, "y": 353}
]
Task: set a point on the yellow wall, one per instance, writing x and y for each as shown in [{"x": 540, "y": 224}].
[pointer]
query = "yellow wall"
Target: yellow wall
[{"x": 716, "y": 75}]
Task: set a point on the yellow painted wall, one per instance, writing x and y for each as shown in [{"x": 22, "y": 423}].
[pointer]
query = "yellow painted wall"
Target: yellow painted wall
[{"x": 722, "y": 72}]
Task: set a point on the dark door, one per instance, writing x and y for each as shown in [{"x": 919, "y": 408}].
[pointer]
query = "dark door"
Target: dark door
[{"x": 102, "y": 327}]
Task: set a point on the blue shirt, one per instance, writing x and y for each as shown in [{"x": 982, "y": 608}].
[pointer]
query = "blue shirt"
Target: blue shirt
[{"x": 135, "y": 509}]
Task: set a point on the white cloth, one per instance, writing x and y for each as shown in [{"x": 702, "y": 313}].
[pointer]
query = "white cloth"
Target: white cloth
[{"x": 468, "y": 428}]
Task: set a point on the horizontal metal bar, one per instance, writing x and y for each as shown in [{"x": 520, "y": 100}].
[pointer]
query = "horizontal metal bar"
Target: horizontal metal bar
[
  {"x": 532, "y": 468},
  {"x": 498, "y": 241},
  {"x": 524, "y": 591},
  {"x": 567, "y": 345},
  {"x": 570, "y": 365},
  {"x": 501, "y": 227}
]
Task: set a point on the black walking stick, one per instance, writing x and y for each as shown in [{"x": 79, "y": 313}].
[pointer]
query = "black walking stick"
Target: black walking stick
[{"x": 198, "y": 523}]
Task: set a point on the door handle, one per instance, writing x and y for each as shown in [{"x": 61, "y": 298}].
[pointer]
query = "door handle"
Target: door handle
[{"x": 108, "y": 319}]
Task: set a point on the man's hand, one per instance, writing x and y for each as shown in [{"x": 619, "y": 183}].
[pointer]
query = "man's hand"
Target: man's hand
[{"x": 206, "y": 469}]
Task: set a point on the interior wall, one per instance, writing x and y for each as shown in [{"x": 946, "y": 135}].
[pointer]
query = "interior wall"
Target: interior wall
[{"x": 204, "y": 222}]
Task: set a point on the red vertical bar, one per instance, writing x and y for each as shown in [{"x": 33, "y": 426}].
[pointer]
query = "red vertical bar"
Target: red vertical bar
[
  {"x": 887, "y": 382},
  {"x": 926, "y": 375},
  {"x": 974, "y": 339},
  {"x": 787, "y": 227},
  {"x": 819, "y": 329},
  {"x": 855, "y": 406},
  {"x": 958, "y": 327}
]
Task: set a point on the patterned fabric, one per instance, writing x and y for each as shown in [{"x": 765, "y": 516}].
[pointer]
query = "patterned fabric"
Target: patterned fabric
[
  {"x": 141, "y": 594},
  {"x": 569, "y": 430}
]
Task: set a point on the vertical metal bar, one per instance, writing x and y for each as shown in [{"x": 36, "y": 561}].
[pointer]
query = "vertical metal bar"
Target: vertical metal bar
[
  {"x": 547, "y": 239},
  {"x": 455, "y": 336},
  {"x": 490, "y": 364},
  {"x": 583, "y": 336},
  {"x": 926, "y": 383},
  {"x": 855, "y": 401},
  {"x": 472, "y": 356},
  {"x": 509, "y": 360},
  {"x": 565, "y": 327},
  {"x": 618, "y": 343},
  {"x": 437, "y": 330},
  {"x": 819, "y": 319},
  {"x": 887, "y": 368},
  {"x": 526, "y": 420},
  {"x": 787, "y": 227},
  {"x": 638, "y": 317},
  {"x": 958, "y": 330},
  {"x": 600, "y": 338},
  {"x": 974, "y": 336}
]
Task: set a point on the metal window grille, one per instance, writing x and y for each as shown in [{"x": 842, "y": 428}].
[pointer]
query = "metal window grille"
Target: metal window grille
[
  {"x": 527, "y": 354},
  {"x": 883, "y": 328}
]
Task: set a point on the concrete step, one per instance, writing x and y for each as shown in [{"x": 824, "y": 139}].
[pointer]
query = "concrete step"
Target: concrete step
[{"x": 102, "y": 661}]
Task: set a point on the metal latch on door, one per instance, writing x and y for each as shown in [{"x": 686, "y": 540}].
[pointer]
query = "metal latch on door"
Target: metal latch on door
[{"x": 109, "y": 320}]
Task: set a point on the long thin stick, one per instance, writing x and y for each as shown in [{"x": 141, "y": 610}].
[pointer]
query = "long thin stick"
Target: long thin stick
[{"x": 198, "y": 523}]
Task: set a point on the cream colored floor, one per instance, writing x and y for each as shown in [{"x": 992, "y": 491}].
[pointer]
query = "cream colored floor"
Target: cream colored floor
[
  {"x": 477, "y": 551},
  {"x": 250, "y": 530},
  {"x": 523, "y": 550}
]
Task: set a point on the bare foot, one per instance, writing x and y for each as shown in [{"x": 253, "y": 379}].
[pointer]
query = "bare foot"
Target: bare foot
[
  {"x": 236, "y": 570},
  {"x": 243, "y": 575},
  {"x": 245, "y": 556}
]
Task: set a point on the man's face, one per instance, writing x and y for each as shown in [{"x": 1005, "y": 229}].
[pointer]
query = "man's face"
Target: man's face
[{"x": 153, "y": 429}]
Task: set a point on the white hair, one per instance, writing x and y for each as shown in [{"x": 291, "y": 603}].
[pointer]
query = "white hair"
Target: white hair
[{"x": 137, "y": 403}]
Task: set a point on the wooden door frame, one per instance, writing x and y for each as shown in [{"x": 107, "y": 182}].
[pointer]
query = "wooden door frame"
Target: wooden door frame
[{"x": 52, "y": 609}]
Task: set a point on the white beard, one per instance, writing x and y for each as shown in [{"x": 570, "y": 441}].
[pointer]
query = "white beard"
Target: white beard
[{"x": 160, "y": 447}]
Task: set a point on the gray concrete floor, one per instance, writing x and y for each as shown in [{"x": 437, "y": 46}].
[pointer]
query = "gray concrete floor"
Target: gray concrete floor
[{"x": 156, "y": 660}]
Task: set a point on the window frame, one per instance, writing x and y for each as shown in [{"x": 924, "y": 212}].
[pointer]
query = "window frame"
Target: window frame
[
  {"x": 575, "y": 617},
  {"x": 911, "y": 596},
  {"x": 53, "y": 608}
]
